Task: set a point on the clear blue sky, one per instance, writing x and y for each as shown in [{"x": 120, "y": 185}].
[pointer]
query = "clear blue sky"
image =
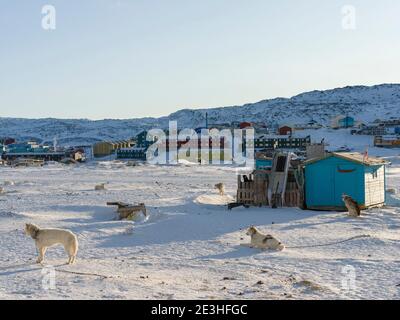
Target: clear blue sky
[{"x": 135, "y": 58}]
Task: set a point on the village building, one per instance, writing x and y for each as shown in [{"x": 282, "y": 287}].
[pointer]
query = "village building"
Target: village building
[
  {"x": 391, "y": 130},
  {"x": 141, "y": 141},
  {"x": 392, "y": 122},
  {"x": 272, "y": 142},
  {"x": 343, "y": 122},
  {"x": 245, "y": 125},
  {"x": 78, "y": 155},
  {"x": 31, "y": 150},
  {"x": 354, "y": 174},
  {"x": 374, "y": 130},
  {"x": 285, "y": 130},
  {"x": 134, "y": 153},
  {"x": 6, "y": 141},
  {"x": 387, "y": 141},
  {"x": 106, "y": 148}
]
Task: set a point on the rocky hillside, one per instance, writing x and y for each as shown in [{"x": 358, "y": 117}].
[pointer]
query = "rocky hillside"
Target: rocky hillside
[{"x": 364, "y": 103}]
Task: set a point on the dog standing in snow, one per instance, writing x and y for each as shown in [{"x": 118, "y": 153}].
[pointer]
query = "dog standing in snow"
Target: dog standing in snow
[
  {"x": 352, "y": 206},
  {"x": 221, "y": 188},
  {"x": 263, "y": 241},
  {"x": 45, "y": 238}
]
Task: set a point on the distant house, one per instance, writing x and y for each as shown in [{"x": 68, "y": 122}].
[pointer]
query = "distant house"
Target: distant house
[
  {"x": 329, "y": 177},
  {"x": 374, "y": 130},
  {"x": 341, "y": 122},
  {"x": 103, "y": 148},
  {"x": 31, "y": 150},
  {"x": 142, "y": 142},
  {"x": 78, "y": 155},
  {"x": 285, "y": 130},
  {"x": 244, "y": 125},
  {"x": 271, "y": 142},
  {"x": 392, "y": 130},
  {"x": 21, "y": 147},
  {"x": 387, "y": 141},
  {"x": 6, "y": 141},
  {"x": 106, "y": 148},
  {"x": 346, "y": 122},
  {"x": 135, "y": 153}
]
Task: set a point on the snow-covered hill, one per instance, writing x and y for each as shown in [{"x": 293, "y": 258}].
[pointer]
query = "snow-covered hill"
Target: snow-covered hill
[{"x": 364, "y": 103}]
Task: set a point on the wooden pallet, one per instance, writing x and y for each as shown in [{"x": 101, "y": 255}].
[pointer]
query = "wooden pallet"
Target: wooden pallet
[
  {"x": 292, "y": 195},
  {"x": 252, "y": 190}
]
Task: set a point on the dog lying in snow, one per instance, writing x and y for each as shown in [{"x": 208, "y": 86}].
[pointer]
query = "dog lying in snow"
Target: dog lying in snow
[
  {"x": 352, "y": 206},
  {"x": 45, "y": 238},
  {"x": 99, "y": 187},
  {"x": 221, "y": 188},
  {"x": 263, "y": 241},
  {"x": 131, "y": 212}
]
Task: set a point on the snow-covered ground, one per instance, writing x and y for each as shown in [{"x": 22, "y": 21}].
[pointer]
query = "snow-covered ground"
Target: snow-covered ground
[{"x": 190, "y": 246}]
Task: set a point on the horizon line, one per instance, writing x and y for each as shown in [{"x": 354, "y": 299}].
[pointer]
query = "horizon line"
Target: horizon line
[{"x": 200, "y": 108}]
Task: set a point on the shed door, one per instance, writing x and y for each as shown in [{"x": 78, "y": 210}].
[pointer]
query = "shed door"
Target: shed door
[
  {"x": 319, "y": 186},
  {"x": 346, "y": 181}
]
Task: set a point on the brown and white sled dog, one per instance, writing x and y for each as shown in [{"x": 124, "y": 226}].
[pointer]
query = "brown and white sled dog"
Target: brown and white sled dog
[
  {"x": 263, "y": 241},
  {"x": 45, "y": 238},
  {"x": 221, "y": 188},
  {"x": 352, "y": 206}
]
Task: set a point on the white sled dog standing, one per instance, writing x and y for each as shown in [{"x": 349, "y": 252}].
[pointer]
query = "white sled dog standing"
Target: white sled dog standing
[{"x": 45, "y": 238}]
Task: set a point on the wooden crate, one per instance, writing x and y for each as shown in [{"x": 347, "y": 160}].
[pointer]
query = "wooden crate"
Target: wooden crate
[
  {"x": 245, "y": 192},
  {"x": 253, "y": 190},
  {"x": 292, "y": 195}
]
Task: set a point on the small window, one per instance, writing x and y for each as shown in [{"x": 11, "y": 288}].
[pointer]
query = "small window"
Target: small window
[{"x": 281, "y": 164}]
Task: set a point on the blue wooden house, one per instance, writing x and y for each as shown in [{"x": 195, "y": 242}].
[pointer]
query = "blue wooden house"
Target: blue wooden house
[
  {"x": 328, "y": 178},
  {"x": 346, "y": 122}
]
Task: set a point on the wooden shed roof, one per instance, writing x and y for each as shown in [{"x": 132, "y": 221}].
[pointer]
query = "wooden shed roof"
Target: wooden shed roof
[{"x": 353, "y": 157}]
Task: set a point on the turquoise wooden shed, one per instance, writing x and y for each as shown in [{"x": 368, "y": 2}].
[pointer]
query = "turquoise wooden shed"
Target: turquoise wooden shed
[
  {"x": 328, "y": 178},
  {"x": 346, "y": 122}
]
